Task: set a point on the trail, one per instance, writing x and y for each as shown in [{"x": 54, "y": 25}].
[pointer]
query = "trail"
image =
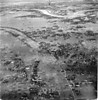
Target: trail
[{"x": 21, "y": 36}]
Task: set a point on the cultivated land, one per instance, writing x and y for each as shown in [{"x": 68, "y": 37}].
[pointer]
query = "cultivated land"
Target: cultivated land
[{"x": 48, "y": 52}]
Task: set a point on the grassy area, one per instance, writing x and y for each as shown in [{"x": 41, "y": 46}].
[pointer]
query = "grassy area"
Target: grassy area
[{"x": 48, "y": 58}]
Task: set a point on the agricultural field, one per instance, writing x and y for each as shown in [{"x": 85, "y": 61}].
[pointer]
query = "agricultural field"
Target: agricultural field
[{"x": 49, "y": 52}]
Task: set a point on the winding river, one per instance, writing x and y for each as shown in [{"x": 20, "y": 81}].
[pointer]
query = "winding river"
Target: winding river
[{"x": 70, "y": 15}]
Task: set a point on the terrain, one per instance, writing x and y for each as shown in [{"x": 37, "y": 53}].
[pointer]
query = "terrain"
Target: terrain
[{"x": 48, "y": 52}]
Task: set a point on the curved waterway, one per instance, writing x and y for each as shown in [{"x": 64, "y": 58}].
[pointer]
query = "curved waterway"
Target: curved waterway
[{"x": 70, "y": 15}]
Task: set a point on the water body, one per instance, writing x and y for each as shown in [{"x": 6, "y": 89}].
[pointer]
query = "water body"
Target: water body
[{"x": 69, "y": 16}]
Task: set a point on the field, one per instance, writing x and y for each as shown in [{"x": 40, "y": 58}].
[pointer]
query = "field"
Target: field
[{"x": 48, "y": 52}]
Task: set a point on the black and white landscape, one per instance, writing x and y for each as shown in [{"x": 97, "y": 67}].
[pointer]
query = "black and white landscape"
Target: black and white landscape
[{"x": 48, "y": 49}]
